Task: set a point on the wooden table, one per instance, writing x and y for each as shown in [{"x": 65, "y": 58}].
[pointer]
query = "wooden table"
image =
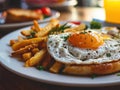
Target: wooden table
[{"x": 11, "y": 81}]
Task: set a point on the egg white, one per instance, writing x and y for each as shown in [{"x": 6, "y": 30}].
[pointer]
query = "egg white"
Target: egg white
[{"x": 64, "y": 52}]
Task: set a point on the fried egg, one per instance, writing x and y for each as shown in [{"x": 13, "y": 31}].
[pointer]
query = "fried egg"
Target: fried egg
[{"x": 83, "y": 48}]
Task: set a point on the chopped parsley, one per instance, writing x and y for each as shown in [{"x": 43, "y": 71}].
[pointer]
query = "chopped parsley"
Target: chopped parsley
[
  {"x": 59, "y": 29},
  {"x": 84, "y": 32},
  {"x": 29, "y": 37},
  {"x": 86, "y": 27},
  {"x": 95, "y": 25},
  {"x": 118, "y": 74},
  {"x": 108, "y": 54},
  {"x": 50, "y": 41},
  {"x": 40, "y": 67},
  {"x": 93, "y": 76},
  {"x": 32, "y": 35},
  {"x": 65, "y": 37}
]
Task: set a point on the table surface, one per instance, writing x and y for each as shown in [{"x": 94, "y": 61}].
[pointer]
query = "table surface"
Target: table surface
[{"x": 11, "y": 81}]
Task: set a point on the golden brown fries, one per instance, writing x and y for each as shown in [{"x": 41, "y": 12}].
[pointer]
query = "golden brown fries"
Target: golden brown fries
[
  {"x": 36, "y": 26},
  {"x": 20, "y": 38},
  {"x": 47, "y": 60},
  {"x": 12, "y": 42},
  {"x": 26, "y": 32},
  {"x": 45, "y": 31},
  {"x": 35, "y": 50},
  {"x": 26, "y": 42},
  {"x": 78, "y": 28},
  {"x": 36, "y": 59},
  {"x": 24, "y": 49},
  {"x": 26, "y": 56},
  {"x": 56, "y": 67}
]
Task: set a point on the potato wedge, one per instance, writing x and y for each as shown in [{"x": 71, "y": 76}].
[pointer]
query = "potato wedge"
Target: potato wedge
[
  {"x": 26, "y": 32},
  {"x": 36, "y": 59},
  {"x": 24, "y": 49},
  {"x": 26, "y": 42},
  {"x": 36, "y": 26},
  {"x": 35, "y": 50},
  {"x": 47, "y": 28},
  {"x": 26, "y": 56},
  {"x": 78, "y": 28},
  {"x": 12, "y": 42},
  {"x": 46, "y": 61},
  {"x": 56, "y": 67}
]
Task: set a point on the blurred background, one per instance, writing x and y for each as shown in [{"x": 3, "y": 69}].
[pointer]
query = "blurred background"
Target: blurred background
[{"x": 4, "y": 4}]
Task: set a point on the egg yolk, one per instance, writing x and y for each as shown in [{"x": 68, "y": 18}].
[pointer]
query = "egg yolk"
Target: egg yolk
[{"x": 86, "y": 40}]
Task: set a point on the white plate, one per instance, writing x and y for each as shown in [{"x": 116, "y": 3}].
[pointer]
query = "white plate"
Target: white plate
[
  {"x": 17, "y": 67},
  {"x": 55, "y": 14}
]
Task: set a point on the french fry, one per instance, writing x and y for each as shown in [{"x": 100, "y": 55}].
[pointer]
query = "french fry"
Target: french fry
[
  {"x": 26, "y": 56},
  {"x": 24, "y": 49},
  {"x": 35, "y": 50},
  {"x": 78, "y": 28},
  {"x": 36, "y": 26},
  {"x": 46, "y": 61},
  {"x": 20, "y": 38},
  {"x": 47, "y": 28},
  {"x": 26, "y": 32},
  {"x": 23, "y": 43},
  {"x": 33, "y": 27},
  {"x": 12, "y": 42},
  {"x": 37, "y": 58},
  {"x": 56, "y": 67}
]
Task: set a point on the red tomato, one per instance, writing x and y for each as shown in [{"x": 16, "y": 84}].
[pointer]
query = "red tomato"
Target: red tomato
[
  {"x": 75, "y": 22},
  {"x": 46, "y": 11},
  {"x": 38, "y": 11}
]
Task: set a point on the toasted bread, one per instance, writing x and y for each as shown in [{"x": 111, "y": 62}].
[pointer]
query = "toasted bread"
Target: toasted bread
[
  {"x": 98, "y": 69},
  {"x": 22, "y": 15}
]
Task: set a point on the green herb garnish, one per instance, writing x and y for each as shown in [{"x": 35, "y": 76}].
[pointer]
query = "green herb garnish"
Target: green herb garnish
[
  {"x": 40, "y": 67},
  {"x": 108, "y": 54},
  {"x": 59, "y": 29},
  {"x": 65, "y": 37},
  {"x": 84, "y": 32},
  {"x": 45, "y": 16},
  {"x": 63, "y": 27},
  {"x": 118, "y": 74},
  {"x": 32, "y": 35},
  {"x": 93, "y": 76},
  {"x": 29, "y": 37},
  {"x": 50, "y": 41},
  {"x": 86, "y": 27},
  {"x": 95, "y": 25}
]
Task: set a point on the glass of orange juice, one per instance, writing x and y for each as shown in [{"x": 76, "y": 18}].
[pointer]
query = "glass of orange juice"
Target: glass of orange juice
[{"x": 112, "y": 10}]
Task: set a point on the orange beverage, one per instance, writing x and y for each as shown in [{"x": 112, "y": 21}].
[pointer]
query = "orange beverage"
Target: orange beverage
[{"x": 112, "y": 10}]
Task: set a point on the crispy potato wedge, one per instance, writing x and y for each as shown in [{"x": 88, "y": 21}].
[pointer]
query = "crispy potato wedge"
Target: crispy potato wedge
[
  {"x": 26, "y": 56},
  {"x": 35, "y": 50},
  {"x": 45, "y": 31},
  {"x": 20, "y": 38},
  {"x": 56, "y": 67},
  {"x": 26, "y": 32},
  {"x": 24, "y": 49},
  {"x": 12, "y": 42},
  {"x": 36, "y": 59},
  {"x": 26, "y": 42},
  {"x": 46, "y": 61},
  {"x": 36, "y": 26},
  {"x": 78, "y": 28}
]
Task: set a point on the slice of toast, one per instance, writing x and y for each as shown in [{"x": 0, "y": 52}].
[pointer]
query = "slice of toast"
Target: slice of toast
[{"x": 22, "y": 15}]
